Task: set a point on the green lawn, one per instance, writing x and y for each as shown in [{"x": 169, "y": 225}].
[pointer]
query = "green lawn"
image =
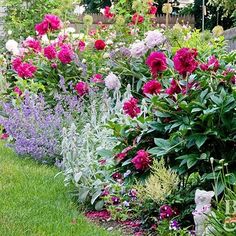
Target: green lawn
[{"x": 33, "y": 202}]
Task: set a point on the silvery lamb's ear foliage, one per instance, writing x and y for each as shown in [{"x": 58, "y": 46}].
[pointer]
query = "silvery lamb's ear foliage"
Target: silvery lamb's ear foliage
[{"x": 81, "y": 161}]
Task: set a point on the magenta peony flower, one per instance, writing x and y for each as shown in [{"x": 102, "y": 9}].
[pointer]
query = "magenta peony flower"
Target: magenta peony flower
[
  {"x": 107, "y": 13},
  {"x": 136, "y": 18},
  {"x": 26, "y": 70},
  {"x": 131, "y": 108},
  {"x": 152, "y": 10},
  {"x": 185, "y": 61},
  {"x": 54, "y": 22},
  {"x": 81, "y": 46},
  {"x": 156, "y": 62},
  {"x": 17, "y": 91},
  {"x": 66, "y": 54},
  {"x": 82, "y": 88},
  {"x": 141, "y": 161},
  {"x": 166, "y": 212},
  {"x": 97, "y": 78},
  {"x": 117, "y": 176},
  {"x": 174, "y": 88},
  {"x": 152, "y": 87},
  {"x": 16, "y": 63},
  {"x": 4, "y": 136},
  {"x": 33, "y": 43},
  {"x": 50, "y": 52},
  {"x": 42, "y": 28},
  {"x": 212, "y": 64}
]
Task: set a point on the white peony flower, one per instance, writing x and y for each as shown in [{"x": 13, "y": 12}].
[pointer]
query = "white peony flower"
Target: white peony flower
[
  {"x": 106, "y": 55},
  {"x": 112, "y": 81},
  {"x": 45, "y": 39},
  {"x": 79, "y": 10},
  {"x": 11, "y": 45},
  {"x": 138, "y": 49},
  {"x": 154, "y": 38},
  {"x": 70, "y": 30}
]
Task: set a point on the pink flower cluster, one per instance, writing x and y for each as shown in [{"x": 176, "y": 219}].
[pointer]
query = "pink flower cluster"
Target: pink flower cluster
[
  {"x": 212, "y": 64},
  {"x": 167, "y": 211},
  {"x": 65, "y": 55},
  {"x": 23, "y": 69},
  {"x": 33, "y": 44},
  {"x": 107, "y": 13},
  {"x": 49, "y": 23},
  {"x": 152, "y": 87},
  {"x": 82, "y": 88},
  {"x": 156, "y": 62},
  {"x": 185, "y": 61},
  {"x": 141, "y": 161},
  {"x": 131, "y": 108},
  {"x": 50, "y": 52}
]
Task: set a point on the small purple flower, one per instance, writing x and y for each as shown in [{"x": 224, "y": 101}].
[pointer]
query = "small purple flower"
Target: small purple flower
[
  {"x": 115, "y": 200},
  {"x": 174, "y": 225},
  {"x": 126, "y": 203}
]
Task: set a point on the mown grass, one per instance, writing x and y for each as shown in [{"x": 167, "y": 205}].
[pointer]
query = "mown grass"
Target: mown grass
[{"x": 34, "y": 202}]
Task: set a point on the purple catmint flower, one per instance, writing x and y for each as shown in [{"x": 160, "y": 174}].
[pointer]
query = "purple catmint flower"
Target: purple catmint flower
[{"x": 174, "y": 225}]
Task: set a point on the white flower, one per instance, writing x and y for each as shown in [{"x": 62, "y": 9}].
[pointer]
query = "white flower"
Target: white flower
[
  {"x": 12, "y": 45},
  {"x": 112, "y": 81},
  {"x": 106, "y": 55},
  {"x": 154, "y": 38},
  {"x": 9, "y": 32},
  {"x": 84, "y": 61},
  {"x": 70, "y": 30},
  {"x": 45, "y": 39},
  {"x": 109, "y": 42},
  {"x": 79, "y": 10},
  {"x": 138, "y": 49}
]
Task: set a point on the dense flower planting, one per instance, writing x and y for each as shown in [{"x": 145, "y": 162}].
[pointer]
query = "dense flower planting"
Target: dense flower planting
[{"x": 135, "y": 116}]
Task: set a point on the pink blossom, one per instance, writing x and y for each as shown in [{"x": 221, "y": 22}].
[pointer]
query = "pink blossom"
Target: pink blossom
[
  {"x": 141, "y": 161},
  {"x": 152, "y": 87},
  {"x": 54, "y": 65},
  {"x": 117, "y": 176},
  {"x": 156, "y": 62},
  {"x": 81, "y": 46},
  {"x": 174, "y": 88},
  {"x": 17, "y": 91},
  {"x": 4, "y": 136},
  {"x": 16, "y": 63},
  {"x": 131, "y": 108},
  {"x": 136, "y": 18},
  {"x": 166, "y": 212},
  {"x": 66, "y": 54},
  {"x": 26, "y": 70},
  {"x": 231, "y": 73},
  {"x": 82, "y": 88},
  {"x": 152, "y": 10},
  {"x": 50, "y": 52},
  {"x": 99, "y": 44},
  {"x": 54, "y": 22},
  {"x": 107, "y": 13},
  {"x": 212, "y": 64},
  {"x": 97, "y": 78},
  {"x": 33, "y": 43},
  {"x": 42, "y": 28},
  {"x": 185, "y": 61}
]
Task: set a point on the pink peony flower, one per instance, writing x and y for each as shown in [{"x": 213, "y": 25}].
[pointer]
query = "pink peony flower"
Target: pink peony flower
[
  {"x": 82, "y": 88},
  {"x": 42, "y": 28},
  {"x": 166, "y": 212},
  {"x": 4, "y": 136},
  {"x": 141, "y": 161},
  {"x": 156, "y": 62},
  {"x": 50, "y": 52},
  {"x": 120, "y": 156},
  {"x": 131, "y": 108},
  {"x": 33, "y": 43},
  {"x": 17, "y": 91},
  {"x": 99, "y": 44},
  {"x": 184, "y": 61},
  {"x": 152, "y": 10},
  {"x": 136, "y": 18},
  {"x": 54, "y": 22},
  {"x": 97, "y": 78},
  {"x": 152, "y": 87},
  {"x": 107, "y": 13},
  {"x": 16, "y": 63},
  {"x": 117, "y": 176},
  {"x": 212, "y": 64},
  {"x": 174, "y": 88},
  {"x": 26, "y": 70},
  {"x": 54, "y": 65},
  {"x": 66, "y": 54},
  {"x": 81, "y": 46}
]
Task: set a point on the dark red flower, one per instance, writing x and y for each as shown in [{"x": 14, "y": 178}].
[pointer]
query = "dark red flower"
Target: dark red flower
[
  {"x": 131, "y": 108},
  {"x": 152, "y": 87},
  {"x": 100, "y": 44},
  {"x": 115, "y": 200},
  {"x": 185, "y": 61},
  {"x": 142, "y": 160},
  {"x": 230, "y": 73},
  {"x": 137, "y": 19},
  {"x": 117, "y": 176},
  {"x": 166, "y": 212},
  {"x": 156, "y": 62}
]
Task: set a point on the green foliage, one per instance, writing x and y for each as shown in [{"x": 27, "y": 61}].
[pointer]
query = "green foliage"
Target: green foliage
[{"x": 22, "y": 15}]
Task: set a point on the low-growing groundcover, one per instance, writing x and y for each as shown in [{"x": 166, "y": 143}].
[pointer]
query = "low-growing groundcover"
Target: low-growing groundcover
[{"x": 34, "y": 202}]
